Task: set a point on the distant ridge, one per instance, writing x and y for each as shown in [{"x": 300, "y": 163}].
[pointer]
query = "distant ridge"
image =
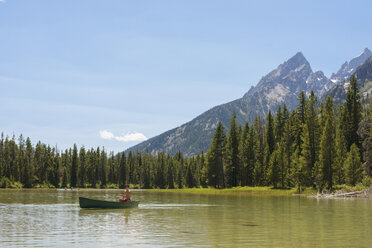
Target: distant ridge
[
  {"x": 363, "y": 75},
  {"x": 348, "y": 68}
]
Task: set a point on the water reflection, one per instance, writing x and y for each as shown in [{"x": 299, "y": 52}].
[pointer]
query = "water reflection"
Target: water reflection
[{"x": 54, "y": 219}]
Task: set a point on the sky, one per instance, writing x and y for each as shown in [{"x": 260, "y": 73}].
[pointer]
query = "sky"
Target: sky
[{"x": 114, "y": 73}]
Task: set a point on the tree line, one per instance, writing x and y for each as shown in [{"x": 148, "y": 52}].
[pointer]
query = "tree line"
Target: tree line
[
  {"x": 316, "y": 145},
  {"x": 25, "y": 165}
]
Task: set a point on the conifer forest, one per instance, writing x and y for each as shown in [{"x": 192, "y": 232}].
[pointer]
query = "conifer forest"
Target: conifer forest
[{"x": 318, "y": 144}]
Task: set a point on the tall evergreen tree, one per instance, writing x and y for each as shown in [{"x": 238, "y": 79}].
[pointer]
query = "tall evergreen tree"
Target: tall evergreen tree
[
  {"x": 310, "y": 137},
  {"x": 82, "y": 167},
  {"x": 297, "y": 171},
  {"x": 190, "y": 181},
  {"x": 327, "y": 157},
  {"x": 341, "y": 152},
  {"x": 299, "y": 122},
  {"x": 123, "y": 171},
  {"x": 160, "y": 180},
  {"x": 28, "y": 170},
  {"x": 180, "y": 169},
  {"x": 270, "y": 144},
  {"x": 170, "y": 174},
  {"x": 244, "y": 155},
  {"x": 274, "y": 168},
  {"x": 353, "y": 166},
  {"x": 215, "y": 173},
  {"x": 231, "y": 154},
  {"x": 352, "y": 114},
  {"x": 279, "y": 124},
  {"x": 203, "y": 170},
  {"x": 287, "y": 143},
  {"x": 103, "y": 171},
  {"x": 74, "y": 166},
  {"x": 259, "y": 141},
  {"x": 2, "y": 162}
]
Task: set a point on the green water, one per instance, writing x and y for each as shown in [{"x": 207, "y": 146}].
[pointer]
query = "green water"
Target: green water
[{"x": 53, "y": 219}]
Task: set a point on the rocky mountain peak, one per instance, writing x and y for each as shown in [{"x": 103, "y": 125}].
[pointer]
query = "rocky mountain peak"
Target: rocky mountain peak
[
  {"x": 318, "y": 83},
  {"x": 296, "y": 60},
  {"x": 291, "y": 74},
  {"x": 348, "y": 68}
]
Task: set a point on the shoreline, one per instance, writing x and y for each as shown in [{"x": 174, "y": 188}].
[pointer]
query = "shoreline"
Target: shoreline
[{"x": 208, "y": 191}]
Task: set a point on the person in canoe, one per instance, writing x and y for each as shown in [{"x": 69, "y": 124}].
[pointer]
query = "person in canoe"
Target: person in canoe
[{"x": 126, "y": 195}]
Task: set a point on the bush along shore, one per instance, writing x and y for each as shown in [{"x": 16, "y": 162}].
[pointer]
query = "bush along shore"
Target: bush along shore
[{"x": 316, "y": 146}]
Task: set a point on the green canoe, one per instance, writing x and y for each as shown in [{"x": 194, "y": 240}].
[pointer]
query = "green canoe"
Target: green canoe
[{"x": 92, "y": 203}]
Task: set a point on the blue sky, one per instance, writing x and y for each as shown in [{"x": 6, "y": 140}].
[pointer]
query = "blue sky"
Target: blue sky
[{"x": 111, "y": 73}]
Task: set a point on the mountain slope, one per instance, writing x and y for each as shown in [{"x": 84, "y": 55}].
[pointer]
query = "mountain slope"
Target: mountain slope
[
  {"x": 363, "y": 75},
  {"x": 281, "y": 85},
  {"x": 348, "y": 68}
]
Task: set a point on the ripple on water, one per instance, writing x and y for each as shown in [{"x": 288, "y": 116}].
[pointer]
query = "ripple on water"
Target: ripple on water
[{"x": 173, "y": 206}]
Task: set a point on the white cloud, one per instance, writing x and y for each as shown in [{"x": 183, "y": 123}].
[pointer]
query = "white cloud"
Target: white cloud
[
  {"x": 135, "y": 136},
  {"x": 2, "y": 1},
  {"x": 131, "y": 137},
  {"x": 106, "y": 134}
]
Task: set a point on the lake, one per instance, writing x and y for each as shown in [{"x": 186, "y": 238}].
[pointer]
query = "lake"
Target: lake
[{"x": 47, "y": 218}]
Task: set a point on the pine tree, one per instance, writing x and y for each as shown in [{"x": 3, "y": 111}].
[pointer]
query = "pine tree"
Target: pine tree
[
  {"x": 82, "y": 172},
  {"x": 297, "y": 171},
  {"x": 231, "y": 154},
  {"x": 244, "y": 155},
  {"x": 251, "y": 158},
  {"x": 310, "y": 138},
  {"x": 131, "y": 169},
  {"x": 287, "y": 143},
  {"x": 64, "y": 179},
  {"x": 56, "y": 169},
  {"x": 160, "y": 181},
  {"x": 203, "y": 171},
  {"x": 21, "y": 158},
  {"x": 274, "y": 168},
  {"x": 97, "y": 166},
  {"x": 2, "y": 162},
  {"x": 122, "y": 171},
  {"x": 74, "y": 166},
  {"x": 28, "y": 170},
  {"x": 180, "y": 169},
  {"x": 13, "y": 160},
  {"x": 327, "y": 157},
  {"x": 170, "y": 174},
  {"x": 270, "y": 143},
  {"x": 353, "y": 166},
  {"x": 139, "y": 168},
  {"x": 279, "y": 125},
  {"x": 365, "y": 133},
  {"x": 65, "y": 167},
  {"x": 299, "y": 122},
  {"x": 352, "y": 114},
  {"x": 103, "y": 164},
  {"x": 259, "y": 141},
  {"x": 214, "y": 165},
  {"x": 341, "y": 152},
  {"x": 190, "y": 176}
]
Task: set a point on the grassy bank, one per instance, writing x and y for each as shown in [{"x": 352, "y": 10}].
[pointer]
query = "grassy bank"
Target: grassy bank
[
  {"x": 242, "y": 190},
  {"x": 210, "y": 191}
]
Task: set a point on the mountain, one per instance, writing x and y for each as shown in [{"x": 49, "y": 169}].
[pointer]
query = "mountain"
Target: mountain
[
  {"x": 348, "y": 68},
  {"x": 281, "y": 85},
  {"x": 363, "y": 75}
]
